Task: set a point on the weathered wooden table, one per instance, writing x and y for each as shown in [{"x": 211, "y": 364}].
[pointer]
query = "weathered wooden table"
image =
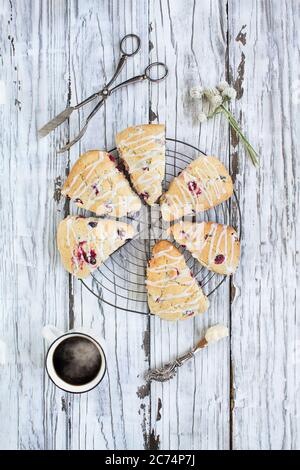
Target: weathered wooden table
[{"x": 240, "y": 394}]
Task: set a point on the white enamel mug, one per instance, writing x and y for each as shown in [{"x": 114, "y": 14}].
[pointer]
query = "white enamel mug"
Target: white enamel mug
[{"x": 54, "y": 338}]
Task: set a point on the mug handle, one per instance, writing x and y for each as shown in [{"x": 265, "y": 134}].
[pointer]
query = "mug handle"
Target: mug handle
[{"x": 50, "y": 333}]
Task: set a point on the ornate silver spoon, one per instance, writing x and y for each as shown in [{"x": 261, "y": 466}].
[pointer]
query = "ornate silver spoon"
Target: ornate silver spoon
[{"x": 168, "y": 371}]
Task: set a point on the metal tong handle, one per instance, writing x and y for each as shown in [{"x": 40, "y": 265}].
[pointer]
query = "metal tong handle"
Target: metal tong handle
[
  {"x": 121, "y": 63},
  {"x": 87, "y": 100},
  {"x": 96, "y": 109},
  {"x": 104, "y": 93},
  {"x": 84, "y": 128},
  {"x": 138, "y": 78},
  {"x": 119, "y": 69}
]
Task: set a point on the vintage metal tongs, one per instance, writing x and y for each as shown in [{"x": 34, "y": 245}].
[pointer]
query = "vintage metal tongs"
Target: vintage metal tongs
[
  {"x": 158, "y": 68},
  {"x": 168, "y": 371}
]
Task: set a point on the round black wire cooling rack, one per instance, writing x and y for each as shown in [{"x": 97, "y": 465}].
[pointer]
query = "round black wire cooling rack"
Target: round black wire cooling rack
[{"x": 120, "y": 281}]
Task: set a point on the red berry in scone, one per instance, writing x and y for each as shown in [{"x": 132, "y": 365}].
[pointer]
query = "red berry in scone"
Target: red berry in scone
[
  {"x": 96, "y": 184},
  {"x": 85, "y": 243},
  {"x": 203, "y": 184},
  {"x": 215, "y": 246},
  {"x": 142, "y": 148}
]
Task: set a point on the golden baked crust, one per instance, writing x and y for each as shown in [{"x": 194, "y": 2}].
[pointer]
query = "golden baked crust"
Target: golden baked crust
[
  {"x": 84, "y": 243},
  {"x": 203, "y": 184},
  {"x": 143, "y": 150},
  {"x": 95, "y": 184},
  {"x": 215, "y": 246},
  {"x": 173, "y": 293}
]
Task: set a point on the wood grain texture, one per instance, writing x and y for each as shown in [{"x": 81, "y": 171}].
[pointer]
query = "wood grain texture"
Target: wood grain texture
[
  {"x": 264, "y": 57},
  {"x": 194, "y": 406},
  {"x": 56, "y": 52},
  {"x": 33, "y": 64},
  {"x": 115, "y": 415}
]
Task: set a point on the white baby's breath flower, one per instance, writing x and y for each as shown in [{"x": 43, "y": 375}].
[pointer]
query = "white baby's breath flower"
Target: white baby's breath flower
[
  {"x": 229, "y": 92},
  {"x": 210, "y": 92},
  {"x": 222, "y": 85},
  {"x": 216, "y": 101},
  {"x": 202, "y": 117},
  {"x": 196, "y": 92}
]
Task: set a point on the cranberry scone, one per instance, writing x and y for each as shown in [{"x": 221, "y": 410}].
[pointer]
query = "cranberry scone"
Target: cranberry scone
[
  {"x": 173, "y": 292},
  {"x": 215, "y": 246},
  {"x": 85, "y": 243},
  {"x": 203, "y": 184},
  {"x": 96, "y": 184},
  {"x": 142, "y": 148}
]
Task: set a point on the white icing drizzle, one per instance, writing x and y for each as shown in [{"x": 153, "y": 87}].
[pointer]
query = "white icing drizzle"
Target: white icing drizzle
[
  {"x": 205, "y": 177},
  {"x": 196, "y": 242},
  {"x": 88, "y": 187},
  {"x": 217, "y": 183},
  {"x": 69, "y": 224},
  {"x": 144, "y": 140},
  {"x": 230, "y": 266},
  {"x": 91, "y": 167},
  {"x": 181, "y": 279},
  {"x": 201, "y": 176},
  {"x": 131, "y": 149},
  {"x": 162, "y": 282},
  {"x": 212, "y": 235},
  {"x": 110, "y": 194},
  {"x": 148, "y": 177},
  {"x": 87, "y": 191},
  {"x": 101, "y": 239}
]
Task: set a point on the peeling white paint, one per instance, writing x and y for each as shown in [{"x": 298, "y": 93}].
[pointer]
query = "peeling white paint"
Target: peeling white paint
[{"x": 2, "y": 92}]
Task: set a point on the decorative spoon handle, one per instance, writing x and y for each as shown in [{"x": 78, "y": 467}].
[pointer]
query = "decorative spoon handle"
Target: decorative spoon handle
[{"x": 168, "y": 371}]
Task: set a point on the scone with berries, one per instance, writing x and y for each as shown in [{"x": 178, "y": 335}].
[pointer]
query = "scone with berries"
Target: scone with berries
[
  {"x": 142, "y": 148},
  {"x": 173, "y": 292},
  {"x": 215, "y": 246},
  {"x": 96, "y": 184},
  {"x": 85, "y": 243},
  {"x": 203, "y": 184}
]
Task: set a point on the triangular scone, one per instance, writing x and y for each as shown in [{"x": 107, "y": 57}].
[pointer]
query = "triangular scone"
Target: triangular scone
[
  {"x": 173, "y": 292},
  {"x": 215, "y": 246},
  {"x": 85, "y": 243},
  {"x": 96, "y": 184},
  {"x": 142, "y": 149},
  {"x": 203, "y": 184}
]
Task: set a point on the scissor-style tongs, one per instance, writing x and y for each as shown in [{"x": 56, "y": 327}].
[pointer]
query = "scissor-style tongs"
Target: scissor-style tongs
[{"x": 161, "y": 72}]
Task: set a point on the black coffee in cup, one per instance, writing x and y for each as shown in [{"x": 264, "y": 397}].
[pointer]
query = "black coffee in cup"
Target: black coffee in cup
[{"x": 77, "y": 360}]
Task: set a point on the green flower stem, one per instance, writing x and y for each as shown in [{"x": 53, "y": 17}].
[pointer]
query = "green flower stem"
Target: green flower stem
[{"x": 234, "y": 124}]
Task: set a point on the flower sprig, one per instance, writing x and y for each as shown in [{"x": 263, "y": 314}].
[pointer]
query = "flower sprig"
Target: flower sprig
[{"x": 214, "y": 101}]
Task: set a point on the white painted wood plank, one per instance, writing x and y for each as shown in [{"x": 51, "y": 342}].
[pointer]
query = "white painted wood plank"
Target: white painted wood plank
[
  {"x": 33, "y": 42},
  {"x": 193, "y": 410},
  {"x": 115, "y": 415},
  {"x": 264, "y": 51},
  {"x": 194, "y": 407}
]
